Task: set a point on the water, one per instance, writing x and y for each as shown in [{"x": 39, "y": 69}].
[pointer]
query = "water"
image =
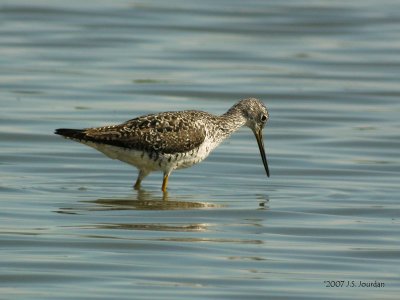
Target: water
[{"x": 73, "y": 228}]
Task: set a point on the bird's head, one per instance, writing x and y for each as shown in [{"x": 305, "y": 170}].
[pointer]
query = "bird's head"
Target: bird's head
[{"x": 256, "y": 116}]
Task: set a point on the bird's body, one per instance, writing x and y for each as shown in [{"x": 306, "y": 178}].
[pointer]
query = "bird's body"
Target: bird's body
[{"x": 170, "y": 140}]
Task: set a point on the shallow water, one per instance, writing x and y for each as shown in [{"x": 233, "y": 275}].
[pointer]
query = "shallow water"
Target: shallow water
[{"x": 72, "y": 227}]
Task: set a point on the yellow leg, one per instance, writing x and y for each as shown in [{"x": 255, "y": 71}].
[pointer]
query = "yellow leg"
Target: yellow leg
[
  {"x": 137, "y": 184},
  {"x": 142, "y": 174},
  {"x": 164, "y": 183}
]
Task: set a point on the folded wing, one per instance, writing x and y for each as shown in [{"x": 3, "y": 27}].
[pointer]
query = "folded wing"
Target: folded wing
[{"x": 169, "y": 132}]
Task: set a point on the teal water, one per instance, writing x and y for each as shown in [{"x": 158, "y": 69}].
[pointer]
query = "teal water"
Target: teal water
[{"x": 72, "y": 227}]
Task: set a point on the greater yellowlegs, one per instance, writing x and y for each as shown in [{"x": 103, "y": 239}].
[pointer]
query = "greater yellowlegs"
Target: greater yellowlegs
[{"x": 172, "y": 140}]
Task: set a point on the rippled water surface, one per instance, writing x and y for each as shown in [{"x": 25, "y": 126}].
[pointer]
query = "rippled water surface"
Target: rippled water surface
[{"x": 72, "y": 227}]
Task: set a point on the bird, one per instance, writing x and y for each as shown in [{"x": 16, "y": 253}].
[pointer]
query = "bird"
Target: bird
[{"x": 172, "y": 140}]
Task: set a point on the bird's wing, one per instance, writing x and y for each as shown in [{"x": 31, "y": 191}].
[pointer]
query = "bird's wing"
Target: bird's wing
[{"x": 175, "y": 132}]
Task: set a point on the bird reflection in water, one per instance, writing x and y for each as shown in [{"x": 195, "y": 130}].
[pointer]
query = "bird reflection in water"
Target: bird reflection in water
[
  {"x": 147, "y": 201},
  {"x": 143, "y": 201}
]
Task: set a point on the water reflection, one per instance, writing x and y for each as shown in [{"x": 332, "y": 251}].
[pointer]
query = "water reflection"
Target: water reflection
[
  {"x": 263, "y": 201},
  {"x": 150, "y": 227},
  {"x": 148, "y": 201},
  {"x": 143, "y": 200}
]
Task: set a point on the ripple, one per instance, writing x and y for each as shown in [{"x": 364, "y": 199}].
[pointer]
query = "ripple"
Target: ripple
[{"x": 73, "y": 227}]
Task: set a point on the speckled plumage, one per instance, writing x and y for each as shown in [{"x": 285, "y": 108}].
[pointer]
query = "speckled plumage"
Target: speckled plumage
[{"x": 171, "y": 140}]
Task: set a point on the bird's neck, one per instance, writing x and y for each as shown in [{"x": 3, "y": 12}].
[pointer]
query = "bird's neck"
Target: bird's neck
[{"x": 231, "y": 121}]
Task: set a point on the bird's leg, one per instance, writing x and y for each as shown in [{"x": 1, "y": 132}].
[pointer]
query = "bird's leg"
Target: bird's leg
[
  {"x": 141, "y": 176},
  {"x": 165, "y": 182},
  {"x": 165, "y": 196}
]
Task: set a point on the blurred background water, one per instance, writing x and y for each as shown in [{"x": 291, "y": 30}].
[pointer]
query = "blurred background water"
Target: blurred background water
[{"x": 72, "y": 227}]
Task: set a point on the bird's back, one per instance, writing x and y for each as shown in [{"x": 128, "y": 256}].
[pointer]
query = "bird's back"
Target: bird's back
[{"x": 168, "y": 132}]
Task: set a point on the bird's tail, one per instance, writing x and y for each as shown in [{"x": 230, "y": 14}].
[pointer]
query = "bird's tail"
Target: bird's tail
[{"x": 75, "y": 134}]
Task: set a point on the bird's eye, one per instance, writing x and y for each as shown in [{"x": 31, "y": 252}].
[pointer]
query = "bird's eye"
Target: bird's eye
[{"x": 264, "y": 118}]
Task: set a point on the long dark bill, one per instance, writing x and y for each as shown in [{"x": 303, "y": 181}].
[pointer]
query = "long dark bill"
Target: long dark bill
[{"x": 260, "y": 142}]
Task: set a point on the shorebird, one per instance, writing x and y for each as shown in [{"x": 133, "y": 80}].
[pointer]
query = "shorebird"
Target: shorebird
[{"x": 172, "y": 140}]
